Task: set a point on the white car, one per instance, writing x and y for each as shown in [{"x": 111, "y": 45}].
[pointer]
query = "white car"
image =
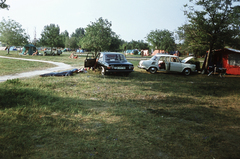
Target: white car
[{"x": 163, "y": 62}]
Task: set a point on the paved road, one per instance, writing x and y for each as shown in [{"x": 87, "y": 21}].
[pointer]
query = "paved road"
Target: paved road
[{"x": 59, "y": 66}]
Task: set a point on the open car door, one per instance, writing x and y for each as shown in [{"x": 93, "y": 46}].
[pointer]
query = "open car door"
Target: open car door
[
  {"x": 90, "y": 60},
  {"x": 167, "y": 63}
]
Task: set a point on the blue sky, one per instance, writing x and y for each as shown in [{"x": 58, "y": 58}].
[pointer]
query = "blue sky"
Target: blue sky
[{"x": 131, "y": 19}]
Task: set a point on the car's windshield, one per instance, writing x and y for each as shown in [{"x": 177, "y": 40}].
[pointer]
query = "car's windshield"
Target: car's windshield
[
  {"x": 114, "y": 57},
  {"x": 153, "y": 58}
]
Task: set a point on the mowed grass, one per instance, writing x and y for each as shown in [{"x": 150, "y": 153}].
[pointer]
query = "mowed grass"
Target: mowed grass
[
  {"x": 18, "y": 66},
  {"x": 64, "y": 57},
  {"x": 144, "y": 115}
]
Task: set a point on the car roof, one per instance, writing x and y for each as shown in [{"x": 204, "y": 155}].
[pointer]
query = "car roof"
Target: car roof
[
  {"x": 111, "y": 53},
  {"x": 165, "y": 55}
]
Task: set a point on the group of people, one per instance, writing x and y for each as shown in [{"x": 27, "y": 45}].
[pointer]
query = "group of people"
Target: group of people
[
  {"x": 72, "y": 56},
  {"x": 35, "y": 53}
]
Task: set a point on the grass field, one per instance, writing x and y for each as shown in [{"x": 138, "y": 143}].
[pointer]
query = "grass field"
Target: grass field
[
  {"x": 62, "y": 58},
  {"x": 144, "y": 115},
  {"x": 18, "y": 66}
]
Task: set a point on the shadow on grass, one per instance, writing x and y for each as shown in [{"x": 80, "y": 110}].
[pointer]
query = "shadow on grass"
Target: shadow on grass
[
  {"x": 194, "y": 85},
  {"x": 200, "y": 131},
  {"x": 36, "y": 122}
]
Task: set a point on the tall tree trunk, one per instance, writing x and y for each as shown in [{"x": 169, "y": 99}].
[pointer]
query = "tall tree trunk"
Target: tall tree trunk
[{"x": 207, "y": 58}]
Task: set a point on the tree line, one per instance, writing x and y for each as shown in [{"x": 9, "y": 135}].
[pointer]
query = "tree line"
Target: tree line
[{"x": 97, "y": 36}]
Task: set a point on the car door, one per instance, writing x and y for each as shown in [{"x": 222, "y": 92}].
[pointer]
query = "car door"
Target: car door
[
  {"x": 90, "y": 60},
  {"x": 175, "y": 64},
  {"x": 167, "y": 63}
]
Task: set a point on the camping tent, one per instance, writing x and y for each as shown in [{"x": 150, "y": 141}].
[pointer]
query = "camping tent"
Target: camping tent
[
  {"x": 224, "y": 58},
  {"x": 145, "y": 52},
  {"x": 158, "y": 52},
  {"x": 29, "y": 48},
  {"x": 13, "y": 48}
]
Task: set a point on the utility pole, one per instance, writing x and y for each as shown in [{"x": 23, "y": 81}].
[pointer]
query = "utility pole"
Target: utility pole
[{"x": 35, "y": 37}]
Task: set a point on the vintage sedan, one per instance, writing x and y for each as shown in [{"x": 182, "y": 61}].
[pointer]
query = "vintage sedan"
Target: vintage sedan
[
  {"x": 110, "y": 63},
  {"x": 169, "y": 63}
]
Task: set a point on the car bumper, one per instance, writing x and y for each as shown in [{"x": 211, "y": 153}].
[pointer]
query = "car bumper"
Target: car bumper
[
  {"x": 119, "y": 71},
  {"x": 142, "y": 67}
]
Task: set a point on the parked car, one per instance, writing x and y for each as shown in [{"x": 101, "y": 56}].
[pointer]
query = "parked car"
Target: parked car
[
  {"x": 109, "y": 63},
  {"x": 53, "y": 52},
  {"x": 191, "y": 54},
  {"x": 170, "y": 63}
]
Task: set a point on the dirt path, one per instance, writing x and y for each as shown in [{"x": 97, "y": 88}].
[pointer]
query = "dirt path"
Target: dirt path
[{"x": 59, "y": 66}]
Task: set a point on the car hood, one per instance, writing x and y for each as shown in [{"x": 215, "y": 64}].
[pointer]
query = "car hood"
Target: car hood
[
  {"x": 186, "y": 59},
  {"x": 147, "y": 60}
]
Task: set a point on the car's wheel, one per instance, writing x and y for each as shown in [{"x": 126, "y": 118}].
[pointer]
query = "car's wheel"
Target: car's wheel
[
  {"x": 153, "y": 70},
  {"x": 187, "y": 71},
  {"x": 103, "y": 71}
]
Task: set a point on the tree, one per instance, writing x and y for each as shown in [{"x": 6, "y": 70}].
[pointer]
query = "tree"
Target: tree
[
  {"x": 50, "y": 36},
  {"x": 98, "y": 35},
  {"x": 116, "y": 44},
  {"x": 3, "y": 5},
  {"x": 212, "y": 27},
  {"x": 192, "y": 40},
  {"x": 161, "y": 40},
  {"x": 76, "y": 37},
  {"x": 12, "y": 34},
  {"x": 64, "y": 36},
  {"x": 72, "y": 42},
  {"x": 140, "y": 44}
]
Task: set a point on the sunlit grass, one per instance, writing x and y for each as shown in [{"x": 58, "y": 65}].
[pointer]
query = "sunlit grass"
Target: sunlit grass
[
  {"x": 144, "y": 115},
  {"x": 9, "y": 66}
]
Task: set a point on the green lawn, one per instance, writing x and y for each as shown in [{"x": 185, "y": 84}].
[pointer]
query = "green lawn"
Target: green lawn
[
  {"x": 18, "y": 66},
  {"x": 144, "y": 115}
]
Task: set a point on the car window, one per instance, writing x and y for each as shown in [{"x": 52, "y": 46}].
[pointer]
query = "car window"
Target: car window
[
  {"x": 167, "y": 59},
  {"x": 122, "y": 58},
  {"x": 101, "y": 57},
  {"x": 177, "y": 59},
  {"x": 110, "y": 57},
  {"x": 162, "y": 58},
  {"x": 154, "y": 58},
  {"x": 174, "y": 59},
  {"x": 114, "y": 57}
]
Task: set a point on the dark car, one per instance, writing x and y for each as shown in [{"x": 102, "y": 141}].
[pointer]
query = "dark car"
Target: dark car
[{"x": 109, "y": 63}]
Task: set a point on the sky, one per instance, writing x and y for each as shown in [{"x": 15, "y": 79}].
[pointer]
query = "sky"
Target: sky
[{"x": 131, "y": 19}]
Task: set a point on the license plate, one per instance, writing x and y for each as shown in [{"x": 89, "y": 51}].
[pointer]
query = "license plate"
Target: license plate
[{"x": 120, "y": 68}]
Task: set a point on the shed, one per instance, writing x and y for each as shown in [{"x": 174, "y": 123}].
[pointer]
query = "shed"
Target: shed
[{"x": 224, "y": 58}]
